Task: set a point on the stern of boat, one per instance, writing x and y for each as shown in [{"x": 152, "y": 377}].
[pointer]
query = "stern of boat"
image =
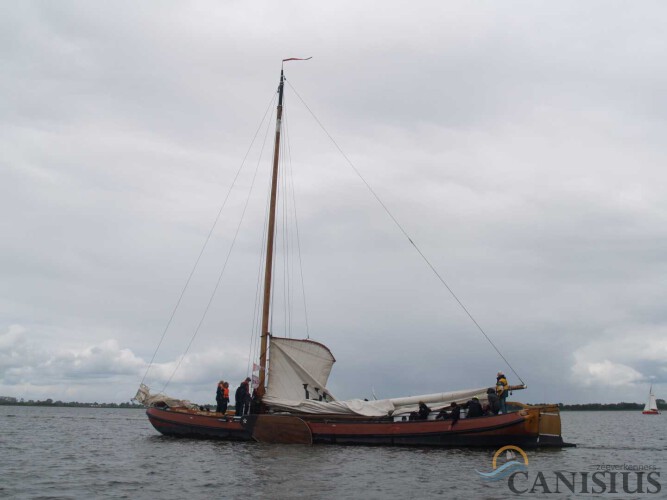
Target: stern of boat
[{"x": 545, "y": 422}]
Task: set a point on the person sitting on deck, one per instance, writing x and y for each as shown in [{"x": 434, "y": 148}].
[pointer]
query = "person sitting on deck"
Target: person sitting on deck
[
  {"x": 456, "y": 412},
  {"x": 474, "y": 408},
  {"x": 422, "y": 413},
  {"x": 443, "y": 414},
  {"x": 502, "y": 390},
  {"x": 494, "y": 402}
]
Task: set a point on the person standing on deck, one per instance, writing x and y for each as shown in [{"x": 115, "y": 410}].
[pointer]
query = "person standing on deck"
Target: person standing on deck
[
  {"x": 242, "y": 397},
  {"x": 502, "y": 390},
  {"x": 225, "y": 396},
  {"x": 220, "y": 397},
  {"x": 239, "y": 398}
]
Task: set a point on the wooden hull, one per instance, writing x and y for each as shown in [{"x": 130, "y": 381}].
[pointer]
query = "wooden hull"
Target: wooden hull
[
  {"x": 180, "y": 422},
  {"x": 476, "y": 432},
  {"x": 529, "y": 428}
]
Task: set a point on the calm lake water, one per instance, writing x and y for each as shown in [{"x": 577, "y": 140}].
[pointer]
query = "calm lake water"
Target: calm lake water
[{"x": 115, "y": 453}]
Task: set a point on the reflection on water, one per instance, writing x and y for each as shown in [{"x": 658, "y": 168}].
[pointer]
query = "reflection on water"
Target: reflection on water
[{"x": 115, "y": 453}]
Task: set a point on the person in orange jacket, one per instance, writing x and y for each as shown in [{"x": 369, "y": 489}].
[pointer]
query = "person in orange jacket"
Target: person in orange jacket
[
  {"x": 220, "y": 397},
  {"x": 225, "y": 396}
]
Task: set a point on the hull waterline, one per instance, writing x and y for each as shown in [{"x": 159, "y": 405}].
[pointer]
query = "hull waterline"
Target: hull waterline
[
  {"x": 524, "y": 428},
  {"x": 194, "y": 424}
]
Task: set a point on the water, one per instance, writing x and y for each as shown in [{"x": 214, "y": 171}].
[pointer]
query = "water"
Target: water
[{"x": 115, "y": 453}]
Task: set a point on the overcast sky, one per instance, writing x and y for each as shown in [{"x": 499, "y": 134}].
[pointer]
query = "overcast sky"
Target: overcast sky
[{"x": 520, "y": 144}]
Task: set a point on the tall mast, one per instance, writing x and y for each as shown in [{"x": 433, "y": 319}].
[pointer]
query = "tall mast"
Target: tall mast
[{"x": 269, "y": 245}]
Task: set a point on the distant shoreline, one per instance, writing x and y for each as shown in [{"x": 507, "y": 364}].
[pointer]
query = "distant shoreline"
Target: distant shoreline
[
  {"x": 61, "y": 404},
  {"x": 132, "y": 406},
  {"x": 608, "y": 407}
]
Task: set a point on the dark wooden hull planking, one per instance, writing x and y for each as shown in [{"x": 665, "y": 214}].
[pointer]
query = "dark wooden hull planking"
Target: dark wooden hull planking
[
  {"x": 195, "y": 424},
  {"x": 527, "y": 428}
]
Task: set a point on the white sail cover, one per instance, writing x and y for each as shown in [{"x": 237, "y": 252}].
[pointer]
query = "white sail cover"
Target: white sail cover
[
  {"x": 145, "y": 397},
  {"x": 379, "y": 408},
  {"x": 298, "y": 375},
  {"x": 297, "y": 366}
]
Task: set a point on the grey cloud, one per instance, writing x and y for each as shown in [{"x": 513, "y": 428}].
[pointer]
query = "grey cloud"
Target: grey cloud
[{"x": 520, "y": 145}]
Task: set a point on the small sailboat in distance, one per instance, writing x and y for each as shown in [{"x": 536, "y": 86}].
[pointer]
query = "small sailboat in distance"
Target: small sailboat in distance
[{"x": 651, "y": 406}]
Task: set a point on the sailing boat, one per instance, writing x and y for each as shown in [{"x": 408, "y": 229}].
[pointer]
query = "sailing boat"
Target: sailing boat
[
  {"x": 292, "y": 404},
  {"x": 651, "y": 406}
]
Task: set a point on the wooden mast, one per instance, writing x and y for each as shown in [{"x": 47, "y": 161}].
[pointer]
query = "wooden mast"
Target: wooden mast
[{"x": 269, "y": 245}]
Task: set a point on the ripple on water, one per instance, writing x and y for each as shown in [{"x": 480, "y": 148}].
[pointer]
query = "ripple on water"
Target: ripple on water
[{"x": 115, "y": 453}]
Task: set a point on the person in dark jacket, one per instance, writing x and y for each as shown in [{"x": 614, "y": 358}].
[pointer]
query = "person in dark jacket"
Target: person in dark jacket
[
  {"x": 474, "y": 408},
  {"x": 220, "y": 397},
  {"x": 456, "y": 412},
  {"x": 240, "y": 398},
  {"x": 494, "y": 402},
  {"x": 443, "y": 414},
  {"x": 422, "y": 413}
]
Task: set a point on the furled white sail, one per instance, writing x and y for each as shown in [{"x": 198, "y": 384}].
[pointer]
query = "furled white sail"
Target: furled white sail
[
  {"x": 379, "y": 408},
  {"x": 145, "y": 397},
  {"x": 298, "y": 375},
  {"x": 314, "y": 407},
  {"x": 298, "y": 370}
]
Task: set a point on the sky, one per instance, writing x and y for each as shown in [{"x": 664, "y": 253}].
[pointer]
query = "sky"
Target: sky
[{"x": 519, "y": 144}]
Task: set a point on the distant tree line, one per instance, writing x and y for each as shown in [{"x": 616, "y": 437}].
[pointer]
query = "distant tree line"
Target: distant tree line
[
  {"x": 6, "y": 401},
  {"x": 662, "y": 405},
  {"x": 74, "y": 404}
]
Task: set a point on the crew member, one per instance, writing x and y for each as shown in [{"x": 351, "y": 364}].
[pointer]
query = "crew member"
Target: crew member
[
  {"x": 242, "y": 397},
  {"x": 502, "y": 390},
  {"x": 225, "y": 397},
  {"x": 220, "y": 397},
  {"x": 474, "y": 408},
  {"x": 422, "y": 413},
  {"x": 494, "y": 402},
  {"x": 239, "y": 398},
  {"x": 456, "y": 412}
]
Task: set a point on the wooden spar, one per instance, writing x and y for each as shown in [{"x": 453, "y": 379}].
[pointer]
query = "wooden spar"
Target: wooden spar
[{"x": 266, "y": 307}]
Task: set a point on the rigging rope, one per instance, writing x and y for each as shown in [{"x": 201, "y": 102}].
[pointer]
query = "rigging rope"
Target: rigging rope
[
  {"x": 287, "y": 323},
  {"x": 208, "y": 237},
  {"x": 296, "y": 223},
  {"x": 375, "y": 195},
  {"x": 253, "y": 348},
  {"x": 224, "y": 267}
]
